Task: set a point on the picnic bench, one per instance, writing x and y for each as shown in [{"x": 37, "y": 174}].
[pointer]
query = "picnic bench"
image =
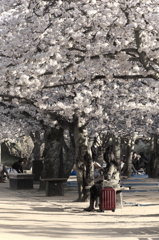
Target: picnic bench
[
  {"x": 21, "y": 181},
  {"x": 54, "y": 186}
]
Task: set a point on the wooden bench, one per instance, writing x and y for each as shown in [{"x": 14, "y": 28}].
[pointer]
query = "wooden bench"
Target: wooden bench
[
  {"x": 21, "y": 181},
  {"x": 54, "y": 186}
]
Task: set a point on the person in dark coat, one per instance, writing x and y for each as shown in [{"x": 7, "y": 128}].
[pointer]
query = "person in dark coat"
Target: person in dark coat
[
  {"x": 140, "y": 165},
  {"x": 134, "y": 158},
  {"x": 143, "y": 160},
  {"x": 94, "y": 150},
  {"x": 110, "y": 148},
  {"x": 18, "y": 166}
]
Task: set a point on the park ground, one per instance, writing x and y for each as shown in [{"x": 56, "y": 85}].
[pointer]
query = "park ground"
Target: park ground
[{"x": 29, "y": 214}]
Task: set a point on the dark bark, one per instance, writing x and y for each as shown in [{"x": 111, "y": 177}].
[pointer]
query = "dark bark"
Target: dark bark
[
  {"x": 101, "y": 150},
  {"x": 53, "y": 144},
  {"x": 84, "y": 163},
  {"x": 106, "y": 140},
  {"x": 70, "y": 157},
  {"x": 116, "y": 148},
  {"x": 88, "y": 173},
  {"x": 35, "y": 155},
  {"x": 153, "y": 165},
  {"x": 129, "y": 153},
  {"x": 128, "y": 159},
  {"x": 54, "y": 164}
]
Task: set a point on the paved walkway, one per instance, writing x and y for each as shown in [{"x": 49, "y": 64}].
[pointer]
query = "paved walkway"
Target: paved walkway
[{"x": 29, "y": 214}]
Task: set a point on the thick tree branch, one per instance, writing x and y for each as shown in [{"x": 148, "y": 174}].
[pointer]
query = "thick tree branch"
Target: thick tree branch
[
  {"x": 32, "y": 136},
  {"x": 64, "y": 84},
  {"x": 62, "y": 121},
  {"x": 144, "y": 60},
  {"x": 8, "y": 97},
  {"x": 126, "y": 77}
]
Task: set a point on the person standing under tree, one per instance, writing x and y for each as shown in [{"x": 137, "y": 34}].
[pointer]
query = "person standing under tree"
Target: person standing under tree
[{"x": 94, "y": 150}]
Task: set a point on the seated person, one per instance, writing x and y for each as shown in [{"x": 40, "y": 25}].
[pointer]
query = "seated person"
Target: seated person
[
  {"x": 3, "y": 170},
  {"x": 143, "y": 161},
  {"x": 134, "y": 158},
  {"x": 133, "y": 169},
  {"x": 111, "y": 179},
  {"x": 124, "y": 168},
  {"x": 25, "y": 164},
  {"x": 17, "y": 166},
  {"x": 139, "y": 165}
]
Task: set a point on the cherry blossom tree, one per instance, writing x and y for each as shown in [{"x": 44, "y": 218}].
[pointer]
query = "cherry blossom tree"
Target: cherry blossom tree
[
  {"x": 84, "y": 65},
  {"x": 75, "y": 53},
  {"x": 13, "y": 127}
]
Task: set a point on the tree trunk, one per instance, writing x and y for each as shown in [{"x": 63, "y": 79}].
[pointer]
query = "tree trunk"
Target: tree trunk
[
  {"x": 70, "y": 157},
  {"x": 88, "y": 173},
  {"x": 116, "y": 148},
  {"x": 123, "y": 146},
  {"x": 129, "y": 153},
  {"x": 128, "y": 159},
  {"x": 101, "y": 150},
  {"x": 54, "y": 164},
  {"x": 84, "y": 163},
  {"x": 153, "y": 165},
  {"x": 52, "y": 152},
  {"x": 35, "y": 155}
]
